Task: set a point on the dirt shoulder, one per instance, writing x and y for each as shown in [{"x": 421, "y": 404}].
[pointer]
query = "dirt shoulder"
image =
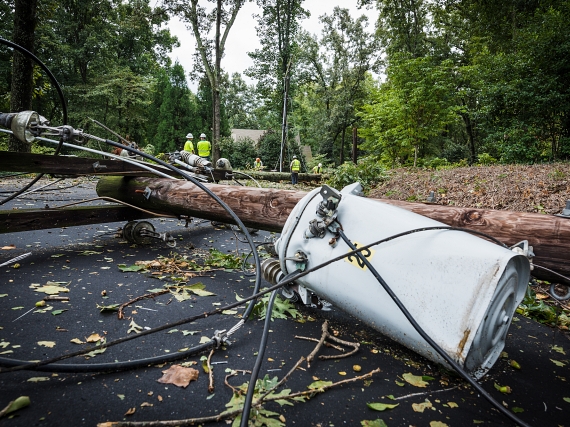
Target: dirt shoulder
[{"x": 524, "y": 188}]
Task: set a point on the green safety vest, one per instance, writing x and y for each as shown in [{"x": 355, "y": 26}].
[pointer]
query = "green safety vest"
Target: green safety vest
[
  {"x": 204, "y": 148},
  {"x": 295, "y": 165}
]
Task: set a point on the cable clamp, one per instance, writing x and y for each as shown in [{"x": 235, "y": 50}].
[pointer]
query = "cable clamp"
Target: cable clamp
[{"x": 219, "y": 337}]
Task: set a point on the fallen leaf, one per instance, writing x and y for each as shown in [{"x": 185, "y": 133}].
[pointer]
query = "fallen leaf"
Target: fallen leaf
[
  {"x": 414, "y": 380},
  {"x": 229, "y": 312},
  {"x": 452, "y": 404},
  {"x": 7, "y": 352},
  {"x": 437, "y": 424},
  {"x": 505, "y": 389},
  {"x": 3, "y": 295},
  {"x": 134, "y": 328},
  {"x": 420, "y": 407},
  {"x": 516, "y": 409},
  {"x": 51, "y": 289},
  {"x": 18, "y": 308},
  {"x": 374, "y": 423},
  {"x": 37, "y": 379},
  {"x": 189, "y": 332},
  {"x": 558, "y": 363},
  {"x": 130, "y": 411},
  {"x": 8, "y": 247},
  {"x": 159, "y": 397},
  {"x": 381, "y": 406},
  {"x": 14, "y": 405},
  {"x": 49, "y": 344},
  {"x": 76, "y": 341},
  {"x": 4, "y": 344},
  {"x": 179, "y": 376},
  {"x": 56, "y": 312},
  {"x": 356, "y": 368},
  {"x": 121, "y": 396},
  {"x": 554, "y": 347},
  {"x": 146, "y": 404},
  {"x": 342, "y": 373},
  {"x": 93, "y": 338},
  {"x": 566, "y": 399},
  {"x": 204, "y": 340}
]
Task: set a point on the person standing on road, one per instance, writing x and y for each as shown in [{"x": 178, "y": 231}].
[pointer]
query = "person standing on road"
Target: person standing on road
[
  {"x": 189, "y": 145},
  {"x": 204, "y": 147},
  {"x": 318, "y": 169},
  {"x": 295, "y": 168}
]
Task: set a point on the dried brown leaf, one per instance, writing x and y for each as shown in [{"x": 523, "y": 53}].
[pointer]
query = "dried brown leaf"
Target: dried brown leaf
[{"x": 179, "y": 376}]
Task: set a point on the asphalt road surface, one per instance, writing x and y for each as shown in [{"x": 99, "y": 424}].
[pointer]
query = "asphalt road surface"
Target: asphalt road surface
[{"x": 87, "y": 261}]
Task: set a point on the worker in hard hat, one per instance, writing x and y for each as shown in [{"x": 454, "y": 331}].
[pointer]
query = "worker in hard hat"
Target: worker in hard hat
[
  {"x": 204, "y": 147},
  {"x": 189, "y": 145},
  {"x": 318, "y": 169},
  {"x": 295, "y": 168},
  {"x": 258, "y": 164}
]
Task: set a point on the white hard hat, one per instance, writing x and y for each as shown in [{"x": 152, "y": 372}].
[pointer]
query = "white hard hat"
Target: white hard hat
[
  {"x": 202, "y": 135},
  {"x": 189, "y": 136},
  {"x": 294, "y": 157},
  {"x": 320, "y": 165}
]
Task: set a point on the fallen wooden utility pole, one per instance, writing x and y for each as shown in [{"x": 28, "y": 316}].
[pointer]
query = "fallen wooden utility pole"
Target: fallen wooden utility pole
[
  {"x": 281, "y": 176},
  {"x": 268, "y": 209}
]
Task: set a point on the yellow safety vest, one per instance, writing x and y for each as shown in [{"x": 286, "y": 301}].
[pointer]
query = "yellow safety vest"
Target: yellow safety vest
[
  {"x": 295, "y": 165},
  {"x": 204, "y": 148},
  {"x": 189, "y": 146},
  {"x": 317, "y": 169}
]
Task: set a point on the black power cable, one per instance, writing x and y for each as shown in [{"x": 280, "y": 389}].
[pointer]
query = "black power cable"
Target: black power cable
[
  {"x": 429, "y": 340},
  {"x": 258, "y": 362},
  {"x": 63, "y": 106}
]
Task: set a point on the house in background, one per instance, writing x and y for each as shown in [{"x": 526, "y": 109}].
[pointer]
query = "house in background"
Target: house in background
[{"x": 253, "y": 134}]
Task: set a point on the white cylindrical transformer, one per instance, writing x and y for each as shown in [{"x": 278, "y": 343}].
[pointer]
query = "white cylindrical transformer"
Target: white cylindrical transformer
[{"x": 461, "y": 289}]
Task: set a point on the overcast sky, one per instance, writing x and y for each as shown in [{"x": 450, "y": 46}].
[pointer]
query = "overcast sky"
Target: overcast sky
[{"x": 243, "y": 38}]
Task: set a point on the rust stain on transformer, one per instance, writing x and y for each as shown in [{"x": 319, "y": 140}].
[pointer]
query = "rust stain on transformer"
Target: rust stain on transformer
[{"x": 463, "y": 341}]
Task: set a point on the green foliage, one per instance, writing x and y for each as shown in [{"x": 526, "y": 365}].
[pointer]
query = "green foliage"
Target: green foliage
[
  {"x": 282, "y": 308},
  {"x": 219, "y": 259},
  {"x": 269, "y": 149},
  {"x": 538, "y": 310},
  {"x": 261, "y": 416},
  {"x": 486, "y": 159},
  {"x": 241, "y": 153},
  {"x": 368, "y": 172}
]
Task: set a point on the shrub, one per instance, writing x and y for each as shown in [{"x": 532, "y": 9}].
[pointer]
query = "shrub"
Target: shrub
[{"x": 368, "y": 172}]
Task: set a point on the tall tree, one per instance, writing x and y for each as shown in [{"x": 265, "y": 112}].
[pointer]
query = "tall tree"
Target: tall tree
[
  {"x": 335, "y": 69},
  {"x": 22, "y": 67},
  {"x": 177, "y": 114},
  {"x": 274, "y": 62},
  {"x": 215, "y": 23}
]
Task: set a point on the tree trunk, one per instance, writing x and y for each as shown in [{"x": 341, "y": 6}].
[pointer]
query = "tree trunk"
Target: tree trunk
[
  {"x": 268, "y": 209},
  {"x": 341, "y": 158},
  {"x": 22, "y": 67}
]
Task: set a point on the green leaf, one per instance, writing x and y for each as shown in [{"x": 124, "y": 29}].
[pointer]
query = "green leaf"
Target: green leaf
[
  {"x": 381, "y": 406},
  {"x": 517, "y": 410},
  {"x": 376, "y": 423},
  {"x": 414, "y": 380},
  {"x": 566, "y": 399},
  {"x": 558, "y": 363},
  {"x": 19, "y": 403},
  {"x": 131, "y": 268},
  {"x": 111, "y": 307},
  {"x": 87, "y": 253},
  {"x": 318, "y": 385},
  {"x": 56, "y": 312}
]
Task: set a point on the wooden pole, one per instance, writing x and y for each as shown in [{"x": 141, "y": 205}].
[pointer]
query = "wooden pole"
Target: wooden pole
[{"x": 268, "y": 209}]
